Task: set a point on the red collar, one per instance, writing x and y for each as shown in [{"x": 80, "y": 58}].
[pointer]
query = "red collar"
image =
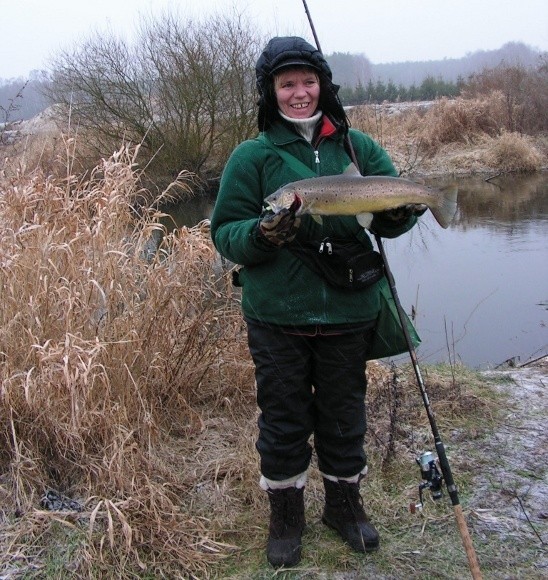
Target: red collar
[{"x": 328, "y": 128}]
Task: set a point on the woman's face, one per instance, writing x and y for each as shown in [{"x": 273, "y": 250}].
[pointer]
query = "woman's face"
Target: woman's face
[{"x": 297, "y": 92}]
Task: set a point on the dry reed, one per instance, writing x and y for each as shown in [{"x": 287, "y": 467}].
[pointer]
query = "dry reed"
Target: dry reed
[
  {"x": 106, "y": 350},
  {"x": 461, "y": 121},
  {"x": 461, "y": 135},
  {"x": 512, "y": 152}
]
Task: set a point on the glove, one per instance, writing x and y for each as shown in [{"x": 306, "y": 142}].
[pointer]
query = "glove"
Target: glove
[
  {"x": 278, "y": 228},
  {"x": 404, "y": 212}
]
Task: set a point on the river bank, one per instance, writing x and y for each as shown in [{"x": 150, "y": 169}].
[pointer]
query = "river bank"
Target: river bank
[
  {"x": 127, "y": 389},
  {"x": 451, "y": 137},
  {"x": 499, "y": 460},
  {"x": 510, "y": 497}
]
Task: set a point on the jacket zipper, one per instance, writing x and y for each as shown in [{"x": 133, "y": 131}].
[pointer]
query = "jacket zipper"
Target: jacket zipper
[{"x": 316, "y": 148}]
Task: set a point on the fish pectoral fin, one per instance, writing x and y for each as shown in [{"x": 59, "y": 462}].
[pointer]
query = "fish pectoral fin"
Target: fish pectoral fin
[
  {"x": 317, "y": 218},
  {"x": 352, "y": 170},
  {"x": 365, "y": 219}
]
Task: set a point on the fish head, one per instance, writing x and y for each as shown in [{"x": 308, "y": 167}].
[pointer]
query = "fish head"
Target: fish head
[{"x": 283, "y": 198}]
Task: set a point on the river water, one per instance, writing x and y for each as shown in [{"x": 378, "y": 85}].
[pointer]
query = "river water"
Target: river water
[{"x": 479, "y": 289}]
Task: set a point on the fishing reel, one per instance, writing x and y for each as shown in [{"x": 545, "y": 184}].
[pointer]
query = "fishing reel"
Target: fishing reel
[{"x": 432, "y": 479}]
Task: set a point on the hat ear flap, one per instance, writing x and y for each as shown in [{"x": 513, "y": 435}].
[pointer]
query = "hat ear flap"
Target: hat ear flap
[{"x": 268, "y": 105}]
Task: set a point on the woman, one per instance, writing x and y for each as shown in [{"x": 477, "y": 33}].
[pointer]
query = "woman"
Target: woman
[{"x": 308, "y": 339}]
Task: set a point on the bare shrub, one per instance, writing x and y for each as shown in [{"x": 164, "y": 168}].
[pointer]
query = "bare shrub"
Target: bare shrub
[
  {"x": 106, "y": 349},
  {"x": 185, "y": 91},
  {"x": 524, "y": 93},
  {"x": 459, "y": 121},
  {"x": 512, "y": 152}
]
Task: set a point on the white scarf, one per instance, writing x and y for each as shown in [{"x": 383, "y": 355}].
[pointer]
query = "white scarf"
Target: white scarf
[{"x": 304, "y": 126}]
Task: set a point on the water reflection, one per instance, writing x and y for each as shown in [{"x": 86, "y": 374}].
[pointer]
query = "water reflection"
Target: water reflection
[
  {"x": 189, "y": 213},
  {"x": 479, "y": 288}
]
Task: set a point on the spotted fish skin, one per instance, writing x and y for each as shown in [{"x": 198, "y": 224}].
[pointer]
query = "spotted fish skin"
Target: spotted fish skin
[{"x": 353, "y": 194}]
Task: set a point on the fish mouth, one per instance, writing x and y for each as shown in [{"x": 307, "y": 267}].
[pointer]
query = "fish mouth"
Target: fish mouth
[{"x": 294, "y": 207}]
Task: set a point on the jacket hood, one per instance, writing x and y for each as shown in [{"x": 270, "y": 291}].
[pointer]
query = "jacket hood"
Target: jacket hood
[{"x": 284, "y": 51}]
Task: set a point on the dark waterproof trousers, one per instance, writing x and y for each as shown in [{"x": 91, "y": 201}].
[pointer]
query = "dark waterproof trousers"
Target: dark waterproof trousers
[{"x": 312, "y": 383}]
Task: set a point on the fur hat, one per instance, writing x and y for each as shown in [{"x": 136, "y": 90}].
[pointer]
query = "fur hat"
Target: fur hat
[{"x": 291, "y": 51}]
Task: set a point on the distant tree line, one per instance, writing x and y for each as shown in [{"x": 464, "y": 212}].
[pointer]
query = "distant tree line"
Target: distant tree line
[
  {"x": 511, "y": 53},
  {"x": 378, "y": 92},
  {"x": 522, "y": 92},
  {"x": 185, "y": 92},
  {"x": 351, "y": 69}
]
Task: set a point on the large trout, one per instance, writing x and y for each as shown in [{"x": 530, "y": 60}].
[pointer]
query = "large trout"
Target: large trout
[{"x": 352, "y": 194}]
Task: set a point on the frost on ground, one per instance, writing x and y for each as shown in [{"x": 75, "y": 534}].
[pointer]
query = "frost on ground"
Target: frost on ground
[{"x": 510, "y": 499}]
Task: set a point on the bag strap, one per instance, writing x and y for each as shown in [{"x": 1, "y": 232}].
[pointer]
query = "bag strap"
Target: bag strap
[
  {"x": 298, "y": 166},
  {"x": 295, "y": 164},
  {"x": 350, "y": 150}
]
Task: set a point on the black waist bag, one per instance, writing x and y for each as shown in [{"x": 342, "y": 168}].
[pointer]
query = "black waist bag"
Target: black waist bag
[{"x": 342, "y": 263}]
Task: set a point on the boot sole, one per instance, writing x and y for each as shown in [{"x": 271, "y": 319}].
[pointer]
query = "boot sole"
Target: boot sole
[
  {"x": 290, "y": 562},
  {"x": 363, "y": 548}
]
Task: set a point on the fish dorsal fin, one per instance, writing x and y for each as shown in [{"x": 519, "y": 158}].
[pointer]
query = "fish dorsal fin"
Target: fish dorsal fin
[{"x": 351, "y": 170}]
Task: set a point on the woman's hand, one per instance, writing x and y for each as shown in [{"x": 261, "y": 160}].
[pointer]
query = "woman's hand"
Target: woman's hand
[
  {"x": 404, "y": 212},
  {"x": 278, "y": 228}
]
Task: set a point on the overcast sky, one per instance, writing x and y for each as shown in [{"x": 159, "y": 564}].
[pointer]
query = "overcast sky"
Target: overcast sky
[{"x": 384, "y": 30}]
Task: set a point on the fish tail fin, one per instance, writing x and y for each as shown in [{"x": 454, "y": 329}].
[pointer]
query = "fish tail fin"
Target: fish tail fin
[{"x": 445, "y": 210}]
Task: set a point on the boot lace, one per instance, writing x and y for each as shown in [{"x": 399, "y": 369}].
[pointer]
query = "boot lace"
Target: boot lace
[
  {"x": 352, "y": 500},
  {"x": 285, "y": 511}
]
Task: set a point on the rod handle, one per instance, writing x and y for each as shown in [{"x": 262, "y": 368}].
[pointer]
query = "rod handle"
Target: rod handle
[{"x": 473, "y": 563}]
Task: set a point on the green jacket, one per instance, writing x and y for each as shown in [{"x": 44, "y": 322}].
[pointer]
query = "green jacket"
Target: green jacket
[{"x": 277, "y": 288}]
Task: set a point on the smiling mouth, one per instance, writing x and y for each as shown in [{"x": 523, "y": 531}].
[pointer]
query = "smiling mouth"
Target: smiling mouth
[{"x": 300, "y": 105}]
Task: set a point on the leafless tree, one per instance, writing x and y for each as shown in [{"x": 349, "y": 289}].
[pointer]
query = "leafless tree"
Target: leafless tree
[{"x": 184, "y": 90}]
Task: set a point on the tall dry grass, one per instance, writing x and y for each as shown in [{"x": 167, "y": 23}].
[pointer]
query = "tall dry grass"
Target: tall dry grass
[
  {"x": 513, "y": 153},
  {"x": 473, "y": 134},
  {"x": 462, "y": 121},
  {"x": 106, "y": 349}
]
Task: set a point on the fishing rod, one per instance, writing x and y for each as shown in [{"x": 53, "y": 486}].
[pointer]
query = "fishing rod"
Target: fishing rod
[
  {"x": 427, "y": 461},
  {"x": 312, "y": 26}
]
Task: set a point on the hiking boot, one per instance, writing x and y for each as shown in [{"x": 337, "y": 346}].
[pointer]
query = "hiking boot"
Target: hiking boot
[
  {"x": 286, "y": 526},
  {"x": 344, "y": 513}
]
